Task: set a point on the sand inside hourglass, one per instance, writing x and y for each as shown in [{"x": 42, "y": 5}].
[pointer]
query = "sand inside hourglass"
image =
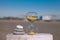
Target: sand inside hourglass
[{"x": 31, "y": 18}]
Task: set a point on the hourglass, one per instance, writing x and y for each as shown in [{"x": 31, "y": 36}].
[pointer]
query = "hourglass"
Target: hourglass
[{"x": 31, "y": 28}]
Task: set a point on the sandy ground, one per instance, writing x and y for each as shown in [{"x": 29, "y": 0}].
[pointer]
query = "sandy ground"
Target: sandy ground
[{"x": 7, "y": 26}]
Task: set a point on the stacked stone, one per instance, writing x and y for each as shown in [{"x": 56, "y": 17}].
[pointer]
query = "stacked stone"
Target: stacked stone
[{"x": 18, "y": 30}]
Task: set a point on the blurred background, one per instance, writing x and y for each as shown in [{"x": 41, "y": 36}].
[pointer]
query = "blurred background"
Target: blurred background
[{"x": 13, "y": 12}]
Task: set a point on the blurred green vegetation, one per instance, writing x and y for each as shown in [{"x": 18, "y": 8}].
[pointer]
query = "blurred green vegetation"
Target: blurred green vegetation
[{"x": 11, "y": 18}]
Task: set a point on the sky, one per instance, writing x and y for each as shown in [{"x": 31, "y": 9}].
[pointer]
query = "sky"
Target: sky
[{"x": 17, "y": 8}]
